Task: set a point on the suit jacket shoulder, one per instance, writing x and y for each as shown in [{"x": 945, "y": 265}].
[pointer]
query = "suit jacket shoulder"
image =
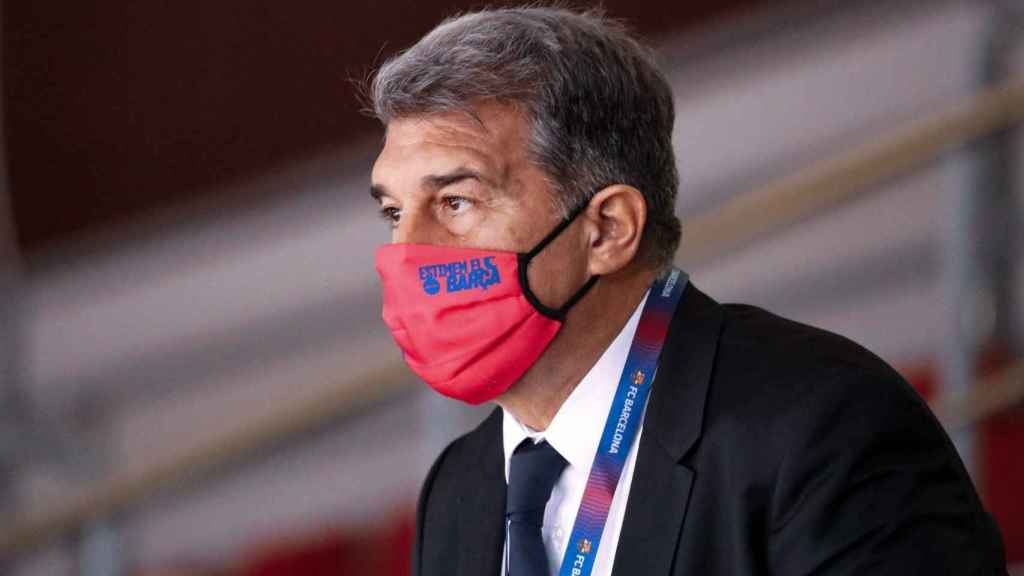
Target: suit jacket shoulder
[{"x": 817, "y": 457}]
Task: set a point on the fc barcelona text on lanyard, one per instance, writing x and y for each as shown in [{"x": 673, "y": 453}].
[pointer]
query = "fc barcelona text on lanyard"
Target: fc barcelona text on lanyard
[{"x": 622, "y": 424}]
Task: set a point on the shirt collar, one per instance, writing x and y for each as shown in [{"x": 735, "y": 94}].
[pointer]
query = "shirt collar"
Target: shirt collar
[{"x": 576, "y": 429}]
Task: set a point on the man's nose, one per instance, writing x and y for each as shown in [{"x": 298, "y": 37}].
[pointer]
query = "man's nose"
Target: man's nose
[{"x": 416, "y": 228}]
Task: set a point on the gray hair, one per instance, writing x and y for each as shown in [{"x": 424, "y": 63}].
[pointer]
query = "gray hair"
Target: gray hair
[{"x": 601, "y": 113}]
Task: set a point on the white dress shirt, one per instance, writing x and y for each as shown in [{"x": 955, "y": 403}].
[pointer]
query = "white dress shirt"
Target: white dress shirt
[{"x": 575, "y": 432}]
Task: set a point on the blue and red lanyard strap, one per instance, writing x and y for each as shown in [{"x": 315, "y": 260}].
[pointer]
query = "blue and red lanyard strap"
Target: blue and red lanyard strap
[{"x": 623, "y": 423}]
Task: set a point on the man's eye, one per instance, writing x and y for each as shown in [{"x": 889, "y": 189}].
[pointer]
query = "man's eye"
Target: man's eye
[
  {"x": 456, "y": 204},
  {"x": 390, "y": 214}
]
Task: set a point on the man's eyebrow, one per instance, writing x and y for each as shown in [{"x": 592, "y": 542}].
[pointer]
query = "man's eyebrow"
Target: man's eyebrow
[
  {"x": 434, "y": 181},
  {"x": 438, "y": 181}
]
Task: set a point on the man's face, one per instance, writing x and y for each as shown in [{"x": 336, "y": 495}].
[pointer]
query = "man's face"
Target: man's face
[{"x": 447, "y": 179}]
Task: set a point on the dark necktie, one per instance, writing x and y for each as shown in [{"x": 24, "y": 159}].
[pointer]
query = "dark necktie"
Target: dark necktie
[{"x": 533, "y": 471}]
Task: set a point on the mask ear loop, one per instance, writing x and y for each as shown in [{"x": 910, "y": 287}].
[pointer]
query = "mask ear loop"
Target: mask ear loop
[{"x": 524, "y": 259}]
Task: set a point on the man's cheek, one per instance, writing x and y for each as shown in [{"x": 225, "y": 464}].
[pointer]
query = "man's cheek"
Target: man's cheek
[{"x": 475, "y": 230}]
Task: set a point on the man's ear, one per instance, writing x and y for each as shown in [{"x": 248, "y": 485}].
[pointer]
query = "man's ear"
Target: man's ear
[{"x": 616, "y": 217}]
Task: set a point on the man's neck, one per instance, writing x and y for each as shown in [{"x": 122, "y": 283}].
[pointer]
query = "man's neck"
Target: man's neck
[{"x": 589, "y": 329}]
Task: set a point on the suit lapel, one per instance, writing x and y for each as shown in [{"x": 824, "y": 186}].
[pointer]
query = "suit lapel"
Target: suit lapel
[
  {"x": 661, "y": 486},
  {"x": 657, "y": 505},
  {"x": 481, "y": 511}
]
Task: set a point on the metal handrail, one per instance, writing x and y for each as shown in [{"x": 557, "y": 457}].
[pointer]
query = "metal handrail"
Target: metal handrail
[
  {"x": 834, "y": 180},
  {"x": 293, "y": 420},
  {"x": 985, "y": 399},
  {"x": 746, "y": 217}
]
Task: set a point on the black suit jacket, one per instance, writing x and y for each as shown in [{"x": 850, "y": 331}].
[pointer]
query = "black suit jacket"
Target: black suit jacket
[{"x": 769, "y": 447}]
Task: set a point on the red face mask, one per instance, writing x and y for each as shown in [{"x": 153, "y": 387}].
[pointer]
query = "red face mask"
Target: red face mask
[{"x": 466, "y": 320}]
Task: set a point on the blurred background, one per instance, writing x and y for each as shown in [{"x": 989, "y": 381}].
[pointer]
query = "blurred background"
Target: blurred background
[{"x": 193, "y": 375}]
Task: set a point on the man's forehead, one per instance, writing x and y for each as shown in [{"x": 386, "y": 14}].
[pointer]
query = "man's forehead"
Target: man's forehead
[
  {"x": 489, "y": 123},
  {"x": 454, "y": 124},
  {"x": 493, "y": 137},
  {"x": 436, "y": 134}
]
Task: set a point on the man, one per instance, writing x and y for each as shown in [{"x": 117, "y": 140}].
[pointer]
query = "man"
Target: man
[{"x": 529, "y": 179}]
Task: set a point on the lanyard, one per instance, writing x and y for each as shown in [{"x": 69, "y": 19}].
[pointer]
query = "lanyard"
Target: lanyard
[{"x": 622, "y": 424}]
